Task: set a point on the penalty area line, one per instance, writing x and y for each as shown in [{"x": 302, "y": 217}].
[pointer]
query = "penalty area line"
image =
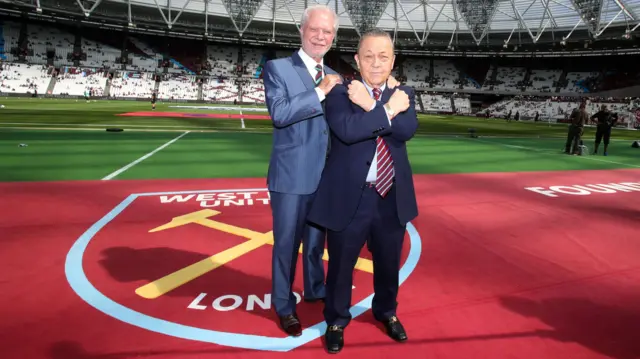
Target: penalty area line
[{"x": 121, "y": 170}]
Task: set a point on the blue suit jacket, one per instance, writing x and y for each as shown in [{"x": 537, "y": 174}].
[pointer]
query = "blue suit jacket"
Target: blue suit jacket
[
  {"x": 353, "y": 144},
  {"x": 301, "y": 134}
]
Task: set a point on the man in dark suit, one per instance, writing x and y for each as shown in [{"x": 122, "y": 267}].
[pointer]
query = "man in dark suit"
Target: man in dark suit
[
  {"x": 366, "y": 193},
  {"x": 295, "y": 89}
]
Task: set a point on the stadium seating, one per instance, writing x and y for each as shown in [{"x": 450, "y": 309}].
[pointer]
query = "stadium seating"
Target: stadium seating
[
  {"x": 445, "y": 75},
  {"x": 99, "y": 55},
  {"x": 88, "y": 60},
  {"x": 10, "y": 36},
  {"x": 544, "y": 80},
  {"x": 178, "y": 87},
  {"x": 220, "y": 90},
  {"x": 417, "y": 72},
  {"x": 509, "y": 78},
  {"x": 253, "y": 92},
  {"x": 436, "y": 103},
  {"x": 462, "y": 105},
  {"x": 576, "y": 81},
  {"x": 251, "y": 58},
  {"x": 555, "y": 109},
  {"x": 132, "y": 87},
  {"x": 76, "y": 83},
  {"x": 222, "y": 60},
  {"x": 24, "y": 78},
  {"x": 143, "y": 58},
  {"x": 42, "y": 38}
]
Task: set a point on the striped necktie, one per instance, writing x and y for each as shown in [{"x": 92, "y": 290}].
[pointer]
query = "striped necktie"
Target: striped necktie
[
  {"x": 384, "y": 178},
  {"x": 318, "y": 74}
]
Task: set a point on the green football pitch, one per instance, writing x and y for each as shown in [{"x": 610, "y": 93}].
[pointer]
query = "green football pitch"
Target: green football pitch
[{"x": 53, "y": 139}]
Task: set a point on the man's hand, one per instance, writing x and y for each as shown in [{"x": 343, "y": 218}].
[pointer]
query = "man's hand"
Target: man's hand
[
  {"x": 359, "y": 95},
  {"x": 392, "y": 82},
  {"x": 328, "y": 82},
  {"x": 399, "y": 101}
]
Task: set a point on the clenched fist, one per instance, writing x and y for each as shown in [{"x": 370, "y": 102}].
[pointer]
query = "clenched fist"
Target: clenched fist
[
  {"x": 359, "y": 95},
  {"x": 392, "y": 82},
  {"x": 399, "y": 101},
  {"x": 328, "y": 82}
]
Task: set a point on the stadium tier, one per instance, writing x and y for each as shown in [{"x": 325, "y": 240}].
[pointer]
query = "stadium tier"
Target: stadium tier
[{"x": 54, "y": 60}]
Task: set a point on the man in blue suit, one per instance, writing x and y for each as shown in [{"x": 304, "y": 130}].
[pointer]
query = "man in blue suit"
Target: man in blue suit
[
  {"x": 366, "y": 193},
  {"x": 295, "y": 89}
]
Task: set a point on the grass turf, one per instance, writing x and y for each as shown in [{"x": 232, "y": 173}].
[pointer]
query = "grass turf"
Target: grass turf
[{"x": 220, "y": 148}]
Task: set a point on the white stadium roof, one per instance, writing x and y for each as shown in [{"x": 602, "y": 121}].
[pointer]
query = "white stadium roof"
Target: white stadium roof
[
  {"x": 423, "y": 17},
  {"x": 417, "y": 25}
]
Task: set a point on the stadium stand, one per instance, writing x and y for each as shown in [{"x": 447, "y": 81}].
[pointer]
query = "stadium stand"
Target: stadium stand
[
  {"x": 58, "y": 61},
  {"x": 24, "y": 78},
  {"x": 76, "y": 81}
]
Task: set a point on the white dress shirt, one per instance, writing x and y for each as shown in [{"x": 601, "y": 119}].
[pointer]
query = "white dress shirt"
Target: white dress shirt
[
  {"x": 311, "y": 67},
  {"x": 373, "y": 170}
]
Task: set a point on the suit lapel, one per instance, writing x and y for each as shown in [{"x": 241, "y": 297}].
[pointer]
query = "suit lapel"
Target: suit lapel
[{"x": 302, "y": 71}]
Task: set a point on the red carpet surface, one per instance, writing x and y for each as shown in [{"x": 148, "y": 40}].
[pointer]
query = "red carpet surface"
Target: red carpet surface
[{"x": 518, "y": 265}]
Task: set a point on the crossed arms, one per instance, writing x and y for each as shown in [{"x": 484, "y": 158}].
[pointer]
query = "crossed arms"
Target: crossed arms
[{"x": 355, "y": 126}]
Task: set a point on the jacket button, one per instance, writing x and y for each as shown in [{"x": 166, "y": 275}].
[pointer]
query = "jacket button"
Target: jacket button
[{"x": 368, "y": 163}]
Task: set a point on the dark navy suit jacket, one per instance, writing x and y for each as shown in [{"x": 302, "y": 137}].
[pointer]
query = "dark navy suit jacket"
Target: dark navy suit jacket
[{"x": 353, "y": 144}]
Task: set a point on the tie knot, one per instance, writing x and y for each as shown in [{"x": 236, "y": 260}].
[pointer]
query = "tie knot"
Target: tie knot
[
  {"x": 318, "y": 67},
  {"x": 376, "y": 93}
]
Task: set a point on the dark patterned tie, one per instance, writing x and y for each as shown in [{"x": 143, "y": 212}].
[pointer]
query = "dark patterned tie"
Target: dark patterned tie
[
  {"x": 318, "y": 74},
  {"x": 384, "y": 178}
]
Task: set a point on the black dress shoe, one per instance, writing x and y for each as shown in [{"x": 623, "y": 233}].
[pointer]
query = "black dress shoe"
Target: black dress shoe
[
  {"x": 334, "y": 338},
  {"x": 291, "y": 325},
  {"x": 395, "y": 329}
]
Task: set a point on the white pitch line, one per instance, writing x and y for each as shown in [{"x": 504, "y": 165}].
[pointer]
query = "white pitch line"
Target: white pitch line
[
  {"x": 551, "y": 152},
  {"x": 116, "y": 173}
]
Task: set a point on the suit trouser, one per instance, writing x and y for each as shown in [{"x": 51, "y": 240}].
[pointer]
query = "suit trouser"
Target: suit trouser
[
  {"x": 375, "y": 223},
  {"x": 290, "y": 228},
  {"x": 573, "y": 139},
  {"x": 603, "y": 131}
]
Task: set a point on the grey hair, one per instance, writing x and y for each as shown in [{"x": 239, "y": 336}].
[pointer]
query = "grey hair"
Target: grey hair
[
  {"x": 375, "y": 33},
  {"x": 307, "y": 13}
]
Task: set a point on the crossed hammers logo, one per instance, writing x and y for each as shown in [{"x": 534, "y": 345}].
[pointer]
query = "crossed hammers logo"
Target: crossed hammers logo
[{"x": 255, "y": 240}]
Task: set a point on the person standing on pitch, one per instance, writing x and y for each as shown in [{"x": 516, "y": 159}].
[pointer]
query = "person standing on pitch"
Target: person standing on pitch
[
  {"x": 604, "y": 122},
  {"x": 366, "y": 193},
  {"x": 295, "y": 88},
  {"x": 578, "y": 119}
]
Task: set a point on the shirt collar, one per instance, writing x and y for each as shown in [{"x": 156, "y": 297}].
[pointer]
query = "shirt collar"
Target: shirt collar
[
  {"x": 309, "y": 62},
  {"x": 370, "y": 89}
]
